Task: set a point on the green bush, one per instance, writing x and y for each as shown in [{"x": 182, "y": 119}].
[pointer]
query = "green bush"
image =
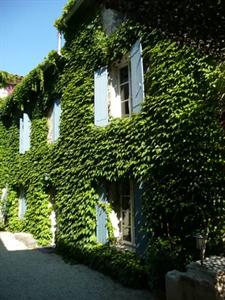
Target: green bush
[
  {"x": 121, "y": 265},
  {"x": 164, "y": 255}
]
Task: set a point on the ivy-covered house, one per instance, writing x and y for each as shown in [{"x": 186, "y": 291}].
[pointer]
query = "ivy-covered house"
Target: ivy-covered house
[{"x": 115, "y": 146}]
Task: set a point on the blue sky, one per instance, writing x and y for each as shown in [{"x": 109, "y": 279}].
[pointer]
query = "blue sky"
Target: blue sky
[{"x": 27, "y": 33}]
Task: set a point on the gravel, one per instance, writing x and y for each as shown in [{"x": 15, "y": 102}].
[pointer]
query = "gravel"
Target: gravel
[{"x": 33, "y": 274}]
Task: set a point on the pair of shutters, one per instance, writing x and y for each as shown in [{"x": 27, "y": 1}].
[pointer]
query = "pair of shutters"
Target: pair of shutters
[
  {"x": 137, "y": 86},
  {"x": 56, "y": 113},
  {"x": 141, "y": 237},
  {"x": 25, "y": 128}
]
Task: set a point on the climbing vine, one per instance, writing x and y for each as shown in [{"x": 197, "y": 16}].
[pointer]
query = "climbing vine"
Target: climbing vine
[
  {"x": 7, "y": 78},
  {"x": 175, "y": 146}
]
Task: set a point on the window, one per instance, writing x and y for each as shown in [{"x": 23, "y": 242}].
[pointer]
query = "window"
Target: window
[
  {"x": 124, "y": 90},
  {"x": 54, "y": 122},
  {"x": 22, "y": 204},
  {"x": 119, "y": 91},
  {"x": 24, "y": 130},
  {"x": 126, "y": 213},
  {"x": 121, "y": 198}
]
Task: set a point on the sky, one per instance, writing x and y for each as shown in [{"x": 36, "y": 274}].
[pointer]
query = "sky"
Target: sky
[{"x": 27, "y": 33}]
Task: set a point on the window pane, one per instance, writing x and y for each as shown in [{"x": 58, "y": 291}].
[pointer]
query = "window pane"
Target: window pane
[
  {"x": 125, "y": 189},
  {"x": 124, "y": 74},
  {"x": 124, "y": 91},
  {"x": 127, "y": 234},
  {"x": 126, "y": 218},
  {"x": 126, "y": 203},
  {"x": 125, "y": 108}
]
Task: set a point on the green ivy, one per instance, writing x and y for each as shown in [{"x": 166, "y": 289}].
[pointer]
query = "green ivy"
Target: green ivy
[
  {"x": 7, "y": 78},
  {"x": 175, "y": 146}
]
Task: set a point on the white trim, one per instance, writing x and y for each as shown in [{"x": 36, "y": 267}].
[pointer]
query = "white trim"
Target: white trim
[
  {"x": 123, "y": 65},
  {"x": 114, "y": 97},
  {"x": 131, "y": 195}
]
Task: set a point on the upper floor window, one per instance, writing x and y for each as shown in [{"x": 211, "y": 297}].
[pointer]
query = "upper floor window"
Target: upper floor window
[
  {"x": 119, "y": 90},
  {"x": 24, "y": 131},
  {"x": 124, "y": 90},
  {"x": 54, "y": 122}
]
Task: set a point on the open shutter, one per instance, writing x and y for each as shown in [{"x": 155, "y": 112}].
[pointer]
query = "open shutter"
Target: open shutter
[
  {"x": 26, "y": 132},
  {"x": 56, "y": 119},
  {"x": 137, "y": 77},
  {"x": 21, "y": 136},
  {"x": 101, "y": 231},
  {"x": 101, "y": 101},
  {"x": 22, "y": 204},
  {"x": 141, "y": 237}
]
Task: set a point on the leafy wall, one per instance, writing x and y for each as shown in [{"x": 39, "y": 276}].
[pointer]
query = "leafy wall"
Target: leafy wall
[
  {"x": 7, "y": 78},
  {"x": 175, "y": 146}
]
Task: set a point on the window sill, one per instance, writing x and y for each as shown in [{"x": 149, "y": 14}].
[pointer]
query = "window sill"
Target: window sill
[{"x": 125, "y": 246}]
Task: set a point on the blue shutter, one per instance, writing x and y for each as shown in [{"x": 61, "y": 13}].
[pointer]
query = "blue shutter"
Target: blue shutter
[
  {"x": 21, "y": 134},
  {"x": 26, "y": 132},
  {"x": 101, "y": 97},
  {"x": 23, "y": 205},
  {"x": 141, "y": 236},
  {"x": 137, "y": 77},
  {"x": 101, "y": 231},
  {"x": 56, "y": 119}
]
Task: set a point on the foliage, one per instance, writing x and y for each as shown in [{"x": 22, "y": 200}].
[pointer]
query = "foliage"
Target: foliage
[
  {"x": 60, "y": 22},
  {"x": 14, "y": 223},
  {"x": 165, "y": 254},
  {"x": 108, "y": 209},
  {"x": 196, "y": 23},
  {"x": 186, "y": 148},
  {"x": 123, "y": 266},
  {"x": 33, "y": 91},
  {"x": 28, "y": 170},
  {"x": 7, "y": 78},
  {"x": 175, "y": 146}
]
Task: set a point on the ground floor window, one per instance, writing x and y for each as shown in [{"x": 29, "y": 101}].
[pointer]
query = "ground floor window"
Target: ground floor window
[
  {"x": 126, "y": 212},
  {"x": 22, "y": 204},
  {"x": 121, "y": 198}
]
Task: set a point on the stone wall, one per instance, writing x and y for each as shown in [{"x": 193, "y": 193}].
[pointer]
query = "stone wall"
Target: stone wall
[{"x": 205, "y": 282}]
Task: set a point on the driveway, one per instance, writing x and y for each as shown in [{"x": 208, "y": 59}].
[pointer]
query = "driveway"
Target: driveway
[{"x": 32, "y": 274}]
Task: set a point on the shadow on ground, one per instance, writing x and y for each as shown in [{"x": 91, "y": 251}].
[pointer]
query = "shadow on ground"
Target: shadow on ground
[{"x": 41, "y": 274}]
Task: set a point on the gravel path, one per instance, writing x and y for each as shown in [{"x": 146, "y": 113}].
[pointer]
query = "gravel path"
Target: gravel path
[{"x": 31, "y": 274}]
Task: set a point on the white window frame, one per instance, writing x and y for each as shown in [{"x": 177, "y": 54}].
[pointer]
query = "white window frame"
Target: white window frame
[
  {"x": 114, "y": 97},
  {"x": 129, "y": 87}
]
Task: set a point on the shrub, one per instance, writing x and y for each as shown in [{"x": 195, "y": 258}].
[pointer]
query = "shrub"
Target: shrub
[{"x": 121, "y": 265}]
